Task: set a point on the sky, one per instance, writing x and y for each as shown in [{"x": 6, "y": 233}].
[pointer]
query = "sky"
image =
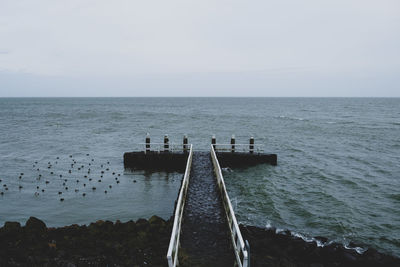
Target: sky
[{"x": 309, "y": 48}]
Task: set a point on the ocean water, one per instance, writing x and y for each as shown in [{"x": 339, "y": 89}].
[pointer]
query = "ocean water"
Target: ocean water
[{"x": 338, "y": 172}]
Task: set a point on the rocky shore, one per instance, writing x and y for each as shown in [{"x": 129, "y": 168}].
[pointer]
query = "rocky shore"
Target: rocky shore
[
  {"x": 284, "y": 250},
  {"x": 145, "y": 243},
  {"x": 140, "y": 243}
]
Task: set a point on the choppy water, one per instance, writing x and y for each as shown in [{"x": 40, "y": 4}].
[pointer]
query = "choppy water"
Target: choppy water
[{"x": 337, "y": 174}]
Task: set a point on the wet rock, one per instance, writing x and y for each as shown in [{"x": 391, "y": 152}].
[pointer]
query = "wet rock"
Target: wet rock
[
  {"x": 11, "y": 228},
  {"x": 100, "y": 244},
  {"x": 142, "y": 224},
  {"x": 271, "y": 249},
  {"x": 155, "y": 220},
  {"x": 157, "y": 224},
  {"x": 34, "y": 225}
]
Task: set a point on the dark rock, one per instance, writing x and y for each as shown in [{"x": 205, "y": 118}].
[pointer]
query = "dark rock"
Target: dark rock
[
  {"x": 287, "y": 263},
  {"x": 142, "y": 224},
  {"x": 156, "y": 220},
  {"x": 11, "y": 227},
  {"x": 348, "y": 256},
  {"x": 271, "y": 249},
  {"x": 34, "y": 225}
]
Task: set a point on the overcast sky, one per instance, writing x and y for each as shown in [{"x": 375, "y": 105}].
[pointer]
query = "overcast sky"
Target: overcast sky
[{"x": 199, "y": 48}]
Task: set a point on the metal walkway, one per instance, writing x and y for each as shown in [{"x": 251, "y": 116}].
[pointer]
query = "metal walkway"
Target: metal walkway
[{"x": 205, "y": 230}]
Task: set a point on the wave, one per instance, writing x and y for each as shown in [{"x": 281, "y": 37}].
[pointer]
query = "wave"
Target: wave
[
  {"x": 291, "y": 118},
  {"x": 319, "y": 241},
  {"x": 227, "y": 169},
  {"x": 395, "y": 197},
  {"x": 318, "y": 120}
]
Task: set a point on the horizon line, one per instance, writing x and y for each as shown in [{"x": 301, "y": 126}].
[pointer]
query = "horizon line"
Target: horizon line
[{"x": 199, "y": 96}]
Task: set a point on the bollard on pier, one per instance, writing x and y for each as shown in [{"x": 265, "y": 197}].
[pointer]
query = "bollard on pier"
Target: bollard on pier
[
  {"x": 166, "y": 143},
  {"x": 185, "y": 144},
  {"x": 251, "y": 145},
  {"x": 213, "y": 141},
  {"x": 147, "y": 142}
]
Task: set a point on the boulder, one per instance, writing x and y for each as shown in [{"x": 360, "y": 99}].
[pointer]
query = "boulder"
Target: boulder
[
  {"x": 142, "y": 224},
  {"x": 155, "y": 220},
  {"x": 11, "y": 227},
  {"x": 34, "y": 225}
]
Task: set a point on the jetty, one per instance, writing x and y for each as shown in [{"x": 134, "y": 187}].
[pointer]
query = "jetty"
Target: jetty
[{"x": 205, "y": 230}]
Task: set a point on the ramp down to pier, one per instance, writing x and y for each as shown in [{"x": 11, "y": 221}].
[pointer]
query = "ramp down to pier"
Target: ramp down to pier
[{"x": 205, "y": 238}]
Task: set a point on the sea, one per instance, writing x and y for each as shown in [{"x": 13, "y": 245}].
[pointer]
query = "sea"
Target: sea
[{"x": 338, "y": 172}]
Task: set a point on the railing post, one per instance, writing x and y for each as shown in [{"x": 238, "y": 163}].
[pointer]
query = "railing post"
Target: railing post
[
  {"x": 248, "y": 252},
  {"x": 233, "y": 143},
  {"x": 185, "y": 143},
  {"x": 147, "y": 142},
  {"x": 166, "y": 144},
  {"x": 251, "y": 146},
  {"x": 213, "y": 141}
]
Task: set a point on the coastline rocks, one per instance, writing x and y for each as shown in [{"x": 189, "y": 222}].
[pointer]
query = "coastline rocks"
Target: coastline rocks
[
  {"x": 103, "y": 243},
  {"x": 145, "y": 242},
  {"x": 35, "y": 226},
  {"x": 11, "y": 227},
  {"x": 270, "y": 249}
]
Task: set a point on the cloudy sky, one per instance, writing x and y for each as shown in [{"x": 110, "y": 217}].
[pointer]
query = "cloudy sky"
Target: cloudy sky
[{"x": 199, "y": 48}]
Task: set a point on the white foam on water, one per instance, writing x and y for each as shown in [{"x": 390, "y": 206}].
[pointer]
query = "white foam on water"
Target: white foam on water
[
  {"x": 227, "y": 169},
  {"x": 291, "y": 118},
  {"x": 359, "y": 250},
  {"x": 268, "y": 225},
  {"x": 319, "y": 243}
]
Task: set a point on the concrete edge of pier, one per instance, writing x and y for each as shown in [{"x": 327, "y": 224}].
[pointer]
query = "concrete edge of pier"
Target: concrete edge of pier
[
  {"x": 243, "y": 159},
  {"x": 175, "y": 161},
  {"x": 155, "y": 161}
]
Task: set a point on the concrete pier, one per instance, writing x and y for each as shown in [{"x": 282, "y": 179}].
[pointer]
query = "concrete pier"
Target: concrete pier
[
  {"x": 242, "y": 159},
  {"x": 155, "y": 161}
]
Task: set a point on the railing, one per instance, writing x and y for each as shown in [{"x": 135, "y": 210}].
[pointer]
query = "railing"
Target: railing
[
  {"x": 172, "y": 254},
  {"x": 161, "y": 147},
  {"x": 241, "y": 250},
  {"x": 258, "y": 148}
]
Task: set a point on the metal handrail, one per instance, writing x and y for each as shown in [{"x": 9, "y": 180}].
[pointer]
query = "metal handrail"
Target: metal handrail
[
  {"x": 241, "y": 252},
  {"x": 238, "y": 147},
  {"x": 172, "y": 254},
  {"x": 159, "y": 147}
]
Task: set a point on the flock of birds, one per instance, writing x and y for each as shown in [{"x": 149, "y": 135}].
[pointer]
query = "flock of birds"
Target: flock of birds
[{"x": 78, "y": 176}]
